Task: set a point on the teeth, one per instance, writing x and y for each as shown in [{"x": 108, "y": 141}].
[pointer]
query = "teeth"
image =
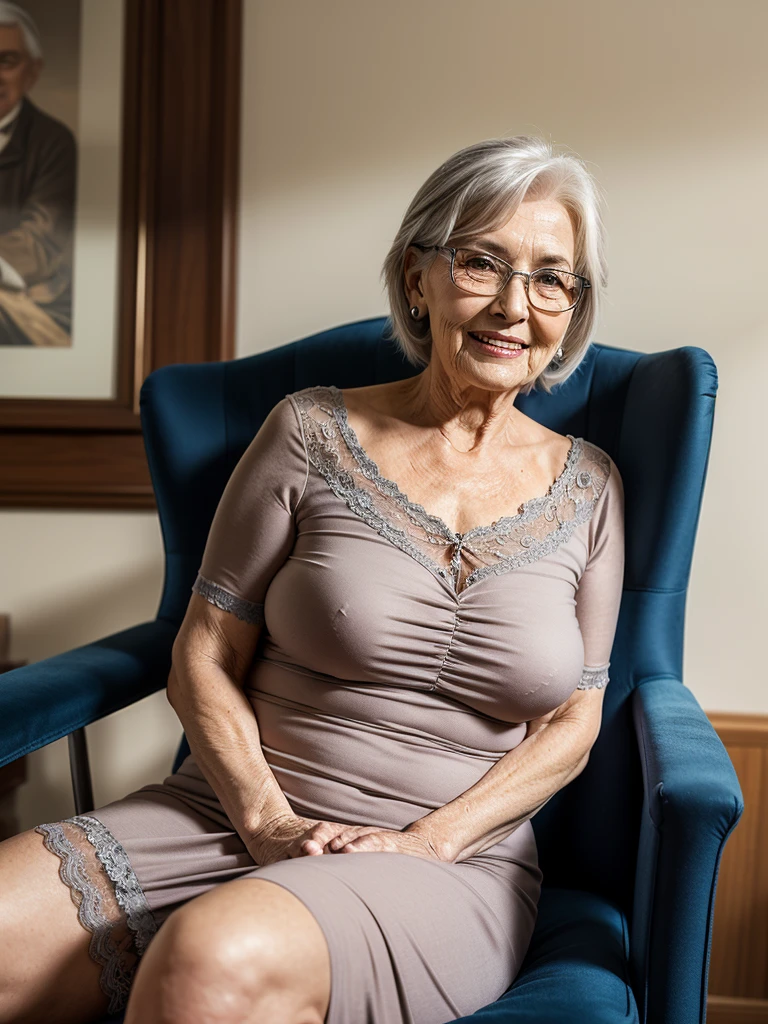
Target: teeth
[{"x": 495, "y": 341}]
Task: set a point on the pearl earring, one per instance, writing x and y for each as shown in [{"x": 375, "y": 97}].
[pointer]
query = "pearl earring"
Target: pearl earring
[
  {"x": 415, "y": 312},
  {"x": 560, "y": 352}
]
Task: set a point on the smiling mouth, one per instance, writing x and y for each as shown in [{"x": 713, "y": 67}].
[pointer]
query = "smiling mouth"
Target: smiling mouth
[{"x": 513, "y": 345}]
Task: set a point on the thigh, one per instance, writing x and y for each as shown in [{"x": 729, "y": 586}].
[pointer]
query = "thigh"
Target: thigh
[
  {"x": 130, "y": 864},
  {"x": 248, "y": 944},
  {"x": 46, "y": 969},
  {"x": 412, "y": 940}
]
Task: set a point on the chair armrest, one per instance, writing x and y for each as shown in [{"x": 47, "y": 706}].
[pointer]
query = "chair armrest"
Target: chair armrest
[
  {"x": 692, "y": 801},
  {"x": 42, "y": 702}
]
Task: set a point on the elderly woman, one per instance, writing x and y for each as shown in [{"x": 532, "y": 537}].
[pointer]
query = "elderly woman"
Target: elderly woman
[{"x": 395, "y": 654}]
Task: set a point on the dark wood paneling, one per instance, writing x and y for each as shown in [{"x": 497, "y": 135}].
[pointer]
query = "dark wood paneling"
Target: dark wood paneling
[
  {"x": 723, "y": 1010},
  {"x": 738, "y": 969},
  {"x": 96, "y": 470}
]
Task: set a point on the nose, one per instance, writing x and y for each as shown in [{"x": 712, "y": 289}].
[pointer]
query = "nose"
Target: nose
[{"x": 513, "y": 300}]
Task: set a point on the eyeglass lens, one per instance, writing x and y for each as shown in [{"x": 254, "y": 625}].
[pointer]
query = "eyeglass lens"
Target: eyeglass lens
[{"x": 481, "y": 274}]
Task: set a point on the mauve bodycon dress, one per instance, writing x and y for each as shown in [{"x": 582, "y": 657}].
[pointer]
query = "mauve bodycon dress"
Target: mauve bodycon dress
[{"x": 397, "y": 663}]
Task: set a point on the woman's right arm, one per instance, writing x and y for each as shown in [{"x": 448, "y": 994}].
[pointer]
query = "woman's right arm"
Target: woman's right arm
[
  {"x": 251, "y": 536},
  {"x": 212, "y": 653}
]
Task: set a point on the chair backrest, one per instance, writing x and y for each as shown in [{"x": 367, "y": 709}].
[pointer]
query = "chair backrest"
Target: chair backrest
[{"x": 653, "y": 413}]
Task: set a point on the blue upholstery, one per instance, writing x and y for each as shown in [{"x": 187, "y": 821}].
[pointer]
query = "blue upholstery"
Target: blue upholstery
[
  {"x": 631, "y": 848},
  {"x": 576, "y": 969}
]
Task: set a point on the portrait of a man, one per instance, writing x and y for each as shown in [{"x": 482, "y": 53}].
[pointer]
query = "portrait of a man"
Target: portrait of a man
[{"x": 38, "y": 169}]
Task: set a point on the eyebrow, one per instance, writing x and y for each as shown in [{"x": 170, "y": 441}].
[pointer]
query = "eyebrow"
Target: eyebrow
[{"x": 547, "y": 260}]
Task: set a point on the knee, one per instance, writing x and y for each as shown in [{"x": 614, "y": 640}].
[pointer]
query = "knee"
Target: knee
[
  {"x": 197, "y": 968},
  {"x": 199, "y": 941}
]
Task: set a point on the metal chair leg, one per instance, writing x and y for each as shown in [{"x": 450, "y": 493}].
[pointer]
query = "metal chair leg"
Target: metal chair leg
[{"x": 80, "y": 771}]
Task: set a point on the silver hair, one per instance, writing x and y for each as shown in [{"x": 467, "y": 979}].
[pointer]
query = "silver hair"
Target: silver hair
[
  {"x": 12, "y": 14},
  {"x": 478, "y": 189}
]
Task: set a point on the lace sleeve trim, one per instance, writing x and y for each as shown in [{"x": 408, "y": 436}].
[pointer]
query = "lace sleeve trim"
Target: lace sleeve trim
[
  {"x": 248, "y": 611},
  {"x": 114, "y": 911},
  {"x": 593, "y": 678}
]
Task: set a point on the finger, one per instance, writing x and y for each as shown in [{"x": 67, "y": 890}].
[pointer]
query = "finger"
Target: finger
[
  {"x": 343, "y": 837},
  {"x": 316, "y": 837},
  {"x": 374, "y": 840},
  {"x": 348, "y": 834},
  {"x": 325, "y": 831},
  {"x": 337, "y": 841},
  {"x": 310, "y": 847}
]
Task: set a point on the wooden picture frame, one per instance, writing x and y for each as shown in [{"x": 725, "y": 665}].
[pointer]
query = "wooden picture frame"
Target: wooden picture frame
[{"x": 177, "y": 255}]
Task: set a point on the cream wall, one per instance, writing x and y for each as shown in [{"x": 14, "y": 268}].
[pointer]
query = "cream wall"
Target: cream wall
[
  {"x": 69, "y": 578},
  {"x": 347, "y": 107}
]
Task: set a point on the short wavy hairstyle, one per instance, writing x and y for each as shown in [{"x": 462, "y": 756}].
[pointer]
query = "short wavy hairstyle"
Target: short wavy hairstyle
[{"x": 478, "y": 189}]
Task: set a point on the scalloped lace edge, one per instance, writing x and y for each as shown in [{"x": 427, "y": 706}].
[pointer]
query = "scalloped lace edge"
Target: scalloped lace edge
[
  {"x": 325, "y": 457},
  {"x": 594, "y": 678},
  {"x": 116, "y": 975},
  {"x": 248, "y": 611}
]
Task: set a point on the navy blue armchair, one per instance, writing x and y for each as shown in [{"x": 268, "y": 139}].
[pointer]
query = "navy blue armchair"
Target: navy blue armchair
[{"x": 630, "y": 849}]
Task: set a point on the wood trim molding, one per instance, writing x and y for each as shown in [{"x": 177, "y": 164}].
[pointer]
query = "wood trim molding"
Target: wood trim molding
[
  {"x": 738, "y": 970},
  {"x": 728, "y": 1010},
  {"x": 178, "y": 247},
  {"x": 740, "y": 730}
]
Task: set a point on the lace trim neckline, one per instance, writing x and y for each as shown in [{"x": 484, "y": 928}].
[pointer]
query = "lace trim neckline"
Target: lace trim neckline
[{"x": 526, "y": 510}]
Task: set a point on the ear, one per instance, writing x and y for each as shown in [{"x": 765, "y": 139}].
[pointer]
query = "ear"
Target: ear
[{"x": 412, "y": 278}]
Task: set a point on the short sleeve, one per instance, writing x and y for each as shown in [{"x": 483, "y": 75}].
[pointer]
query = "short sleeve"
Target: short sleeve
[
  {"x": 253, "y": 530},
  {"x": 598, "y": 596}
]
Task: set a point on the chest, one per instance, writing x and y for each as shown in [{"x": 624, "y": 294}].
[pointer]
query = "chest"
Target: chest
[
  {"x": 462, "y": 490},
  {"x": 350, "y": 605},
  {"x": 453, "y": 528}
]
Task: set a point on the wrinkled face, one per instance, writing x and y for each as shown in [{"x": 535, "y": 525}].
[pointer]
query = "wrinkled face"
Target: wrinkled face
[
  {"x": 18, "y": 72},
  {"x": 539, "y": 234}
]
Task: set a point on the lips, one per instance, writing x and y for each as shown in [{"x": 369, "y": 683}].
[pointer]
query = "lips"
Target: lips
[{"x": 492, "y": 336}]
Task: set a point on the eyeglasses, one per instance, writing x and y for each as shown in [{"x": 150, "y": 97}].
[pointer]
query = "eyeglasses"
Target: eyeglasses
[{"x": 479, "y": 273}]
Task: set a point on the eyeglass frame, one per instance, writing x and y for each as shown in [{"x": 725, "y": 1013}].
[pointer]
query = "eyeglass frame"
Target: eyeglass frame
[{"x": 585, "y": 282}]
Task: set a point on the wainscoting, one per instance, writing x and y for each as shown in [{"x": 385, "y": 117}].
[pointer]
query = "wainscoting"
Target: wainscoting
[{"x": 738, "y": 969}]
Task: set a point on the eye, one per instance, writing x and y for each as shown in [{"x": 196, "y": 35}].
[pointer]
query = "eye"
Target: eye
[
  {"x": 480, "y": 263},
  {"x": 550, "y": 279}
]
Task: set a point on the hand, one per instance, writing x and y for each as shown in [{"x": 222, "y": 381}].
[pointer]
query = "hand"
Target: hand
[
  {"x": 291, "y": 835},
  {"x": 371, "y": 839},
  {"x": 294, "y": 836}
]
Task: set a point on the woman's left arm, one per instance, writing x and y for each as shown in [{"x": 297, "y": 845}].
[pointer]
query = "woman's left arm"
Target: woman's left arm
[
  {"x": 555, "y": 750},
  {"x": 556, "y": 746}
]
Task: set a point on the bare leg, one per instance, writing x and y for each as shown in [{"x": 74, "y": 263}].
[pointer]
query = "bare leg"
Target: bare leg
[
  {"x": 246, "y": 952},
  {"x": 46, "y": 972}
]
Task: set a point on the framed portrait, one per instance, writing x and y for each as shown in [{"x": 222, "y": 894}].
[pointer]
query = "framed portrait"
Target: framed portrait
[{"x": 119, "y": 147}]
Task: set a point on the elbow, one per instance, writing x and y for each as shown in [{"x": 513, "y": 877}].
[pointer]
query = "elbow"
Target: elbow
[
  {"x": 590, "y": 731},
  {"x": 580, "y": 765},
  {"x": 587, "y": 731},
  {"x": 587, "y": 748},
  {"x": 171, "y": 687},
  {"x": 591, "y": 741}
]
